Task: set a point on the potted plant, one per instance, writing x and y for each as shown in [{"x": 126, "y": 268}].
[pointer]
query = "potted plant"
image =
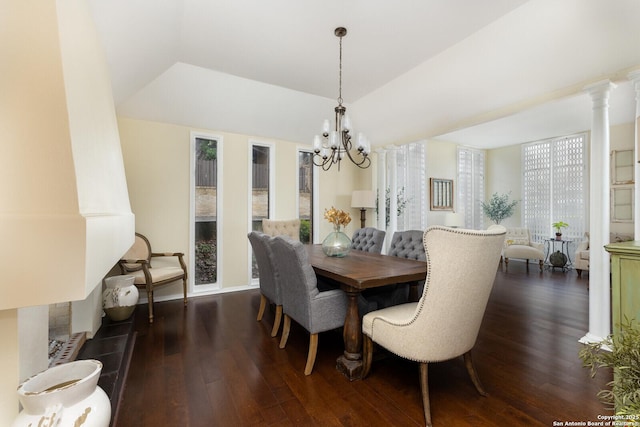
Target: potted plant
[
  {"x": 499, "y": 207},
  {"x": 559, "y": 226},
  {"x": 619, "y": 352}
]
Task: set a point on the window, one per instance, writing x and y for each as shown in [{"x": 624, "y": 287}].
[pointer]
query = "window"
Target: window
[
  {"x": 261, "y": 203},
  {"x": 554, "y": 186},
  {"x": 470, "y": 191},
  {"x": 306, "y": 199},
  {"x": 206, "y": 165}
]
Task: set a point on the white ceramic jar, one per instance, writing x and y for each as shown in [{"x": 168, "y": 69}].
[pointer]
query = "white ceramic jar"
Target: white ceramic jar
[
  {"x": 120, "y": 297},
  {"x": 64, "y": 395}
]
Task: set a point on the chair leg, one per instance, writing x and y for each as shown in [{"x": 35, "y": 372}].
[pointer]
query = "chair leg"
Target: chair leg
[
  {"x": 367, "y": 354},
  {"x": 263, "y": 304},
  {"x": 527, "y": 262},
  {"x": 506, "y": 264},
  {"x": 311, "y": 357},
  {"x": 150, "y": 302},
  {"x": 468, "y": 361},
  {"x": 424, "y": 386},
  {"x": 579, "y": 272},
  {"x": 285, "y": 331},
  {"x": 184, "y": 290},
  {"x": 276, "y": 321},
  {"x": 541, "y": 264}
]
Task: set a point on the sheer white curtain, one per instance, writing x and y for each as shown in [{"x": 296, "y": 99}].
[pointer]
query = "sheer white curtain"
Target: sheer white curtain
[{"x": 402, "y": 185}]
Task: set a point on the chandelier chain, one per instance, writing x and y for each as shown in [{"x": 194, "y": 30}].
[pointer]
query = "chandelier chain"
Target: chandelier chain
[
  {"x": 331, "y": 146},
  {"x": 340, "y": 75}
]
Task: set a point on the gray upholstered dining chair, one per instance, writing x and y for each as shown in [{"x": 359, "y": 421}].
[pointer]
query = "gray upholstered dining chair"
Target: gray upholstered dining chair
[
  {"x": 268, "y": 277},
  {"x": 301, "y": 300},
  {"x": 444, "y": 324},
  {"x": 404, "y": 244},
  {"x": 368, "y": 239}
]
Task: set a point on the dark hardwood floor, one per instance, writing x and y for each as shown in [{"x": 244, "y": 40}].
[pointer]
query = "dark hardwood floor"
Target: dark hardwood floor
[{"x": 213, "y": 364}]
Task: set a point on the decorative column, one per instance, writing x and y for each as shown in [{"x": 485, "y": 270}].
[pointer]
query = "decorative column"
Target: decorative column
[
  {"x": 599, "y": 216},
  {"x": 634, "y": 77},
  {"x": 382, "y": 185}
]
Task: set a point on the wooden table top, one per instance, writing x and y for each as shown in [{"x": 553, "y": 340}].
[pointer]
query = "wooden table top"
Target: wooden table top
[{"x": 363, "y": 270}]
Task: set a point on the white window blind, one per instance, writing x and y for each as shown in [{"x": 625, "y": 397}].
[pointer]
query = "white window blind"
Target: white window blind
[
  {"x": 470, "y": 187},
  {"x": 554, "y": 186}
]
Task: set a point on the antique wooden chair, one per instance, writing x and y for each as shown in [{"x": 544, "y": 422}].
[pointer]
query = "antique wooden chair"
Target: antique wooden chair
[{"x": 137, "y": 262}]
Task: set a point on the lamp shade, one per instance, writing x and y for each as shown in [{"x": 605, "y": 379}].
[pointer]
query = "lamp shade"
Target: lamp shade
[
  {"x": 454, "y": 220},
  {"x": 363, "y": 199}
]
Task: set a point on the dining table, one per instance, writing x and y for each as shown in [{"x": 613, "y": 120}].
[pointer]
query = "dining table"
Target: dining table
[{"x": 355, "y": 272}]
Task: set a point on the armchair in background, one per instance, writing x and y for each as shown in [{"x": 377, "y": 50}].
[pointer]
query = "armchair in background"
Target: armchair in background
[
  {"x": 137, "y": 262},
  {"x": 518, "y": 244}
]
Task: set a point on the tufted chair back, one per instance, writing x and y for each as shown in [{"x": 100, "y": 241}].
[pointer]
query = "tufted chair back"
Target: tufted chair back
[
  {"x": 287, "y": 227},
  {"x": 408, "y": 244},
  {"x": 368, "y": 239}
]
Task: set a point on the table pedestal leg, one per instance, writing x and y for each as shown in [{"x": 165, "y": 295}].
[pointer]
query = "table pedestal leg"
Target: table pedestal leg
[
  {"x": 414, "y": 296},
  {"x": 350, "y": 363}
]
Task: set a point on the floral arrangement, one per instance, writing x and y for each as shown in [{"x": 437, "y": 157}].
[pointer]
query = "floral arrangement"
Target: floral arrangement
[
  {"x": 499, "y": 207},
  {"x": 338, "y": 218}
]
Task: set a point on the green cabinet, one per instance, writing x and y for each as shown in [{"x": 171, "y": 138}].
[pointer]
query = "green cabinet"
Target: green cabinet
[{"x": 625, "y": 281}]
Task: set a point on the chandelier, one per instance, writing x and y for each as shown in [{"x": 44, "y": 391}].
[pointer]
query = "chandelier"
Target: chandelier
[{"x": 333, "y": 145}]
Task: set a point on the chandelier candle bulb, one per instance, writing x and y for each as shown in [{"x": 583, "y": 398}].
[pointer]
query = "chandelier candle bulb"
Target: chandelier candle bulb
[
  {"x": 326, "y": 127},
  {"x": 317, "y": 144},
  {"x": 346, "y": 124}
]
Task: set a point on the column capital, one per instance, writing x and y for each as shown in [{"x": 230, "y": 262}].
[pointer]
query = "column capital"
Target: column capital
[
  {"x": 599, "y": 92},
  {"x": 634, "y": 77},
  {"x": 601, "y": 87}
]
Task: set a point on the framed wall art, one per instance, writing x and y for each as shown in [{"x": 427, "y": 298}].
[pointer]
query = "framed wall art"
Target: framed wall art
[{"x": 441, "y": 194}]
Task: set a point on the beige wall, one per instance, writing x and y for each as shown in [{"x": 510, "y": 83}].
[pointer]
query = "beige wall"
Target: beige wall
[
  {"x": 156, "y": 158},
  {"x": 503, "y": 174},
  {"x": 442, "y": 162}
]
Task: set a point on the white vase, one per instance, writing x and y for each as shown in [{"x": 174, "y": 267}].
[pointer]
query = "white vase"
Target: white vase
[
  {"x": 64, "y": 395},
  {"x": 120, "y": 298}
]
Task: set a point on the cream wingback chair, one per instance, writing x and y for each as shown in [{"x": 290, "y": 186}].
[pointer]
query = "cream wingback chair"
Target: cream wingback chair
[
  {"x": 286, "y": 227},
  {"x": 518, "y": 244},
  {"x": 444, "y": 323}
]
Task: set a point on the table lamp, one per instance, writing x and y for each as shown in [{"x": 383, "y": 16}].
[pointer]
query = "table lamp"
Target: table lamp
[
  {"x": 454, "y": 220},
  {"x": 363, "y": 200}
]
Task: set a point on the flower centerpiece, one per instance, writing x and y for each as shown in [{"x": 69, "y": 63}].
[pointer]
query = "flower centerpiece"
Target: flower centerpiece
[{"x": 337, "y": 243}]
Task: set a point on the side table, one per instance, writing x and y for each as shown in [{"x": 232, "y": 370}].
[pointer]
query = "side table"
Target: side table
[{"x": 557, "y": 254}]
